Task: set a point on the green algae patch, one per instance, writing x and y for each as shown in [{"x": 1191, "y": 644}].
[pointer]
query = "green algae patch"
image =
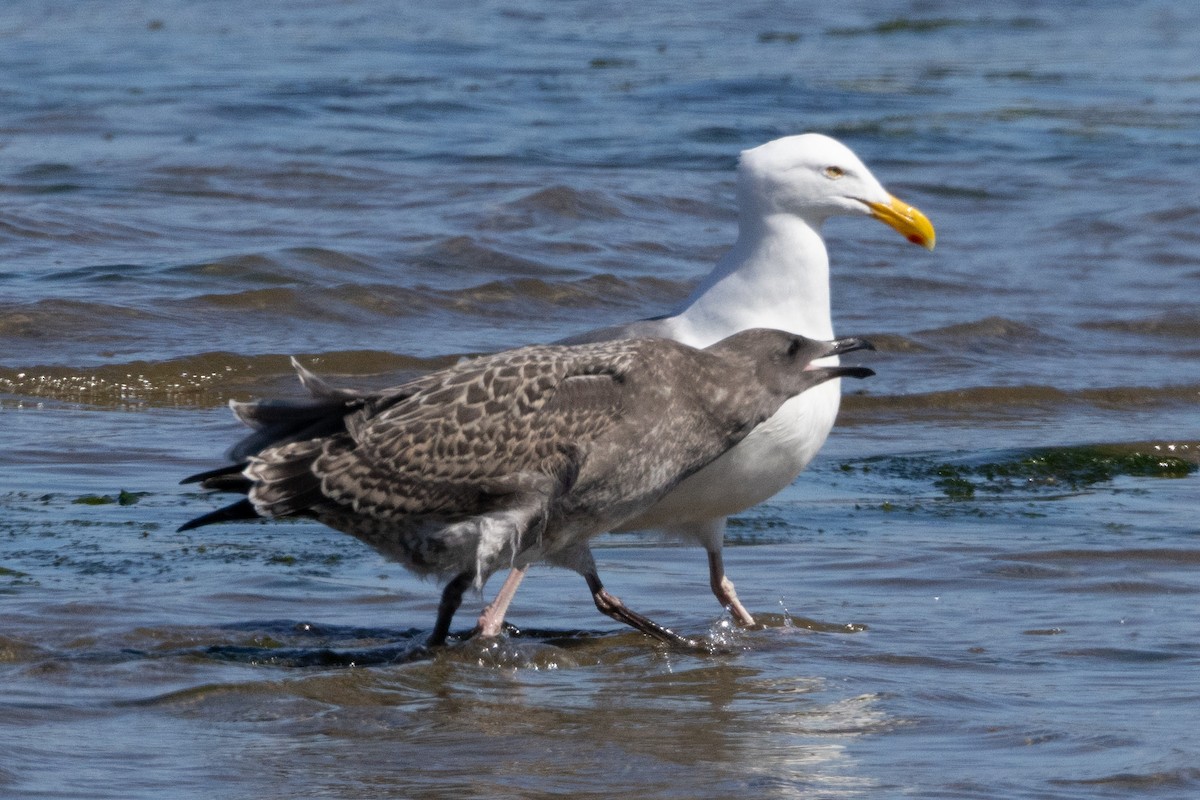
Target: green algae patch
[
  {"x": 1083, "y": 466},
  {"x": 125, "y": 498},
  {"x": 10, "y": 581},
  {"x": 1038, "y": 470},
  {"x": 122, "y": 498},
  {"x": 93, "y": 500},
  {"x": 787, "y": 37},
  {"x": 900, "y": 25}
]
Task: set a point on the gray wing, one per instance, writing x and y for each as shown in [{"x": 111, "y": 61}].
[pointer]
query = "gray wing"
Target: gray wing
[
  {"x": 280, "y": 422},
  {"x": 657, "y": 327},
  {"x": 456, "y": 442}
]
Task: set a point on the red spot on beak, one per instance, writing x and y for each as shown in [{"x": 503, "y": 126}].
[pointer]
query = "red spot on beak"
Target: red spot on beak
[{"x": 915, "y": 239}]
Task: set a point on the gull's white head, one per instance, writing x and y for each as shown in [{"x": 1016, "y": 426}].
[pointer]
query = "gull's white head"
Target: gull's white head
[{"x": 815, "y": 177}]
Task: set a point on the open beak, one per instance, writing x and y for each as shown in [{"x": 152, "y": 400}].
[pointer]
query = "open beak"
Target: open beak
[
  {"x": 836, "y": 348},
  {"x": 911, "y": 223},
  {"x": 829, "y": 373}
]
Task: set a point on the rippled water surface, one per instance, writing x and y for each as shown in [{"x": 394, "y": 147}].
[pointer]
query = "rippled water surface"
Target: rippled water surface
[{"x": 986, "y": 586}]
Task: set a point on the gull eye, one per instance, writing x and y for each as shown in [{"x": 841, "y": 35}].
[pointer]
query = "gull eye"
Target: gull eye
[
  {"x": 833, "y": 173},
  {"x": 793, "y": 348}
]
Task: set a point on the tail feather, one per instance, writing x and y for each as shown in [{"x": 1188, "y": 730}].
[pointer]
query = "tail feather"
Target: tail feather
[
  {"x": 284, "y": 480},
  {"x": 321, "y": 425},
  {"x": 277, "y": 422},
  {"x": 203, "y": 478},
  {"x": 236, "y": 484},
  {"x": 235, "y": 512},
  {"x": 261, "y": 414},
  {"x": 273, "y": 464},
  {"x": 281, "y": 464},
  {"x": 294, "y": 501},
  {"x": 319, "y": 389}
]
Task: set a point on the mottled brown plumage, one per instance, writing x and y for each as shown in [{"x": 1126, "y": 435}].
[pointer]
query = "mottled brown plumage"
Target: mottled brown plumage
[{"x": 517, "y": 457}]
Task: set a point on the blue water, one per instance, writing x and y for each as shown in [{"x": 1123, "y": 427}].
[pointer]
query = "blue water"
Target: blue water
[{"x": 191, "y": 191}]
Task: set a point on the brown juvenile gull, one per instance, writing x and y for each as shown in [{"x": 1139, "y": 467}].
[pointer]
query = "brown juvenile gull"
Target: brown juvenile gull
[
  {"x": 522, "y": 456},
  {"x": 776, "y": 275}
]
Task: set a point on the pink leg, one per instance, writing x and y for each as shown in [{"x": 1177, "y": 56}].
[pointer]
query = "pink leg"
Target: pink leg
[
  {"x": 722, "y": 587},
  {"x": 491, "y": 619}
]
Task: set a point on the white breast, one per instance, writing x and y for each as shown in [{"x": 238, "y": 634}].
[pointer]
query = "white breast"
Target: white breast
[
  {"x": 757, "y": 468},
  {"x": 775, "y": 276}
]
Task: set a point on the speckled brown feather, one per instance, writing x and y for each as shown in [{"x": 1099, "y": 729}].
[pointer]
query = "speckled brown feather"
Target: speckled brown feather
[
  {"x": 465, "y": 434},
  {"x": 496, "y": 435},
  {"x": 519, "y": 456}
]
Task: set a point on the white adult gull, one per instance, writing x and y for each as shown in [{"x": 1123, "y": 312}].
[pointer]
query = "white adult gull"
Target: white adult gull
[{"x": 776, "y": 275}]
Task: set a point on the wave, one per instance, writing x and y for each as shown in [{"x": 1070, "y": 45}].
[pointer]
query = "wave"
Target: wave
[
  {"x": 1035, "y": 472},
  {"x": 210, "y": 378},
  {"x": 1170, "y": 325},
  {"x": 516, "y": 297},
  {"x": 863, "y": 408},
  {"x": 566, "y": 202},
  {"x": 986, "y": 328},
  {"x": 206, "y": 379},
  {"x": 1138, "y": 782},
  {"x": 1168, "y": 556},
  {"x": 52, "y": 318}
]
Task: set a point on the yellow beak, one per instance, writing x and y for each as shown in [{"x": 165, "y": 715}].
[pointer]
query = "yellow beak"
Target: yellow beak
[{"x": 911, "y": 223}]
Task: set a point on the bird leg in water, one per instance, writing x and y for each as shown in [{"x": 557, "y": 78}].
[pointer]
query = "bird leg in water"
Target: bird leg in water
[
  {"x": 452, "y": 597},
  {"x": 491, "y": 619},
  {"x": 722, "y": 587},
  {"x": 612, "y": 606}
]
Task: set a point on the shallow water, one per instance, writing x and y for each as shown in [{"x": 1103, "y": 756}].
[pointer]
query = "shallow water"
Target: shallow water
[{"x": 984, "y": 587}]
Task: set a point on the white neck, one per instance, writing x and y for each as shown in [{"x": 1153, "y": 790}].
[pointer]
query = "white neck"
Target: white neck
[{"x": 775, "y": 276}]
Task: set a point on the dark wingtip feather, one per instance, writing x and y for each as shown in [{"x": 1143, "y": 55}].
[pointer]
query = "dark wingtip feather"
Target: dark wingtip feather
[
  {"x": 235, "y": 512},
  {"x": 219, "y": 472}
]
